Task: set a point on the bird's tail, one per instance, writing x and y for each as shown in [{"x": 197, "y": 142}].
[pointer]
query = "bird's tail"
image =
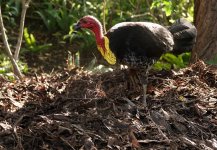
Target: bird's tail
[{"x": 184, "y": 35}]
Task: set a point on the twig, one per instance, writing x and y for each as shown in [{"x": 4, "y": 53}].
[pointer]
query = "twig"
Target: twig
[
  {"x": 156, "y": 125},
  {"x": 18, "y": 121},
  {"x": 67, "y": 143},
  {"x": 189, "y": 142},
  {"x": 19, "y": 143},
  {"x": 151, "y": 11},
  {"x": 25, "y": 5},
  {"x": 129, "y": 101},
  {"x": 16, "y": 69},
  {"x": 104, "y": 7},
  {"x": 147, "y": 141}
]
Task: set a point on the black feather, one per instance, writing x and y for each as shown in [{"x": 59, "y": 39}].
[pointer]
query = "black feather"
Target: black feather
[
  {"x": 138, "y": 42},
  {"x": 184, "y": 34}
]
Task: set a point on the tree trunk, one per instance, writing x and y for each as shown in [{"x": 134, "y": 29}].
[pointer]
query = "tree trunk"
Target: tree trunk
[{"x": 206, "y": 23}]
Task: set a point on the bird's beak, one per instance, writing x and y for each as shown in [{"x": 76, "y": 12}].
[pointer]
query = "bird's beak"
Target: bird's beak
[{"x": 77, "y": 27}]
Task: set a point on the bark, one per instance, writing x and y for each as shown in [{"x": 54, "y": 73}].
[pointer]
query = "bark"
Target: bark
[{"x": 206, "y": 24}]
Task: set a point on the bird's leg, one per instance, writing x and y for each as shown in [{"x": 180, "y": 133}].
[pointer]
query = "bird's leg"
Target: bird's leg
[
  {"x": 144, "y": 82},
  {"x": 144, "y": 88},
  {"x": 135, "y": 82},
  {"x": 139, "y": 81}
]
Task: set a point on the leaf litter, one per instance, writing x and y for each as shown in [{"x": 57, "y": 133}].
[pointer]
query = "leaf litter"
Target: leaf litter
[{"x": 80, "y": 110}]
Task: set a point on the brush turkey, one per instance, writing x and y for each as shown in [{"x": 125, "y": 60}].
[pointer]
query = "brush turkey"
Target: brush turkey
[{"x": 139, "y": 44}]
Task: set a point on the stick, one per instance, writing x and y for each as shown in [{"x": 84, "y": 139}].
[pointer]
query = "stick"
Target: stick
[
  {"x": 25, "y": 5},
  {"x": 104, "y": 7},
  {"x": 16, "y": 69}
]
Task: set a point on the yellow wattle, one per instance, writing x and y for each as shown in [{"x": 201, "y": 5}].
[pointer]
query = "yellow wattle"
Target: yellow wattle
[{"x": 107, "y": 54}]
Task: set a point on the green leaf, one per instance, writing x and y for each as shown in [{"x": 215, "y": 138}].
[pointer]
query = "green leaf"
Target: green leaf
[
  {"x": 171, "y": 58},
  {"x": 27, "y": 37},
  {"x": 159, "y": 65},
  {"x": 167, "y": 7},
  {"x": 2, "y": 70},
  {"x": 32, "y": 39},
  {"x": 45, "y": 20},
  {"x": 185, "y": 57}
]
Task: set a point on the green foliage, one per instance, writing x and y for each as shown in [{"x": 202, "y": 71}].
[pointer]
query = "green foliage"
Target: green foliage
[
  {"x": 166, "y": 6},
  {"x": 182, "y": 8},
  {"x": 169, "y": 61},
  {"x": 31, "y": 42},
  {"x": 84, "y": 39},
  {"x": 57, "y": 15},
  {"x": 172, "y": 10},
  {"x": 6, "y": 67},
  {"x": 10, "y": 10}
]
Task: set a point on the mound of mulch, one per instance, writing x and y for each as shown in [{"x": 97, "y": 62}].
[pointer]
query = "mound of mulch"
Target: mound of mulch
[{"x": 81, "y": 110}]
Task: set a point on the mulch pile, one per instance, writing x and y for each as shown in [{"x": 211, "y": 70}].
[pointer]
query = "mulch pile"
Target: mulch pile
[{"x": 80, "y": 110}]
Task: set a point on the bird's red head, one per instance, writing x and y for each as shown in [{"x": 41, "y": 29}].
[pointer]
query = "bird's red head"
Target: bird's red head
[
  {"x": 91, "y": 23},
  {"x": 88, "y": 22}
]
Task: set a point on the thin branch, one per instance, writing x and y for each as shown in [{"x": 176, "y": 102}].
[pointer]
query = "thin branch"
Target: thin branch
[
  {"x": 104, "y": 11},
  {"x": 25, "y": 5},
  {"x": 151, "y": 11},
  {"x": 17, "y": 72}
]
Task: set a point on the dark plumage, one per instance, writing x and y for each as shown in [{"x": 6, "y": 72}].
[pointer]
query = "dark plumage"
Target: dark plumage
[
  {"x": 139, "y": 44},
  {"x": 184, "y": 35}
]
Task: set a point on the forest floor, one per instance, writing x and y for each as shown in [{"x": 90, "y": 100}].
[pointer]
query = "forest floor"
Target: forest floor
[{"x": 80, "y": 110}]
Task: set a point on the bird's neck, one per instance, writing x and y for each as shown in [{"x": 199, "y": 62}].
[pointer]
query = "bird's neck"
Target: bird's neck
[
  {"x": 98, "y": 31},
  {"x": 103, "y": 45}
]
